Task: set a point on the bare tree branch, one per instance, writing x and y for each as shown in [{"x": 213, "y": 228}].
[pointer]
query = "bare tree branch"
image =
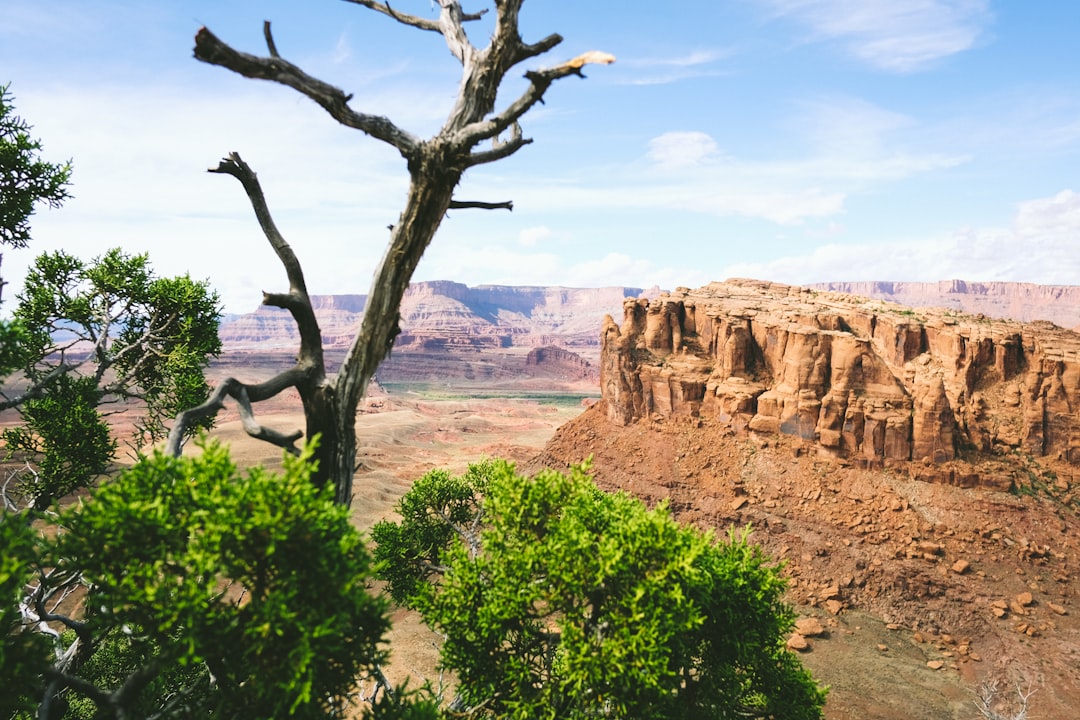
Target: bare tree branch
[
  {"x": 211, "y": 50},
  {"x": 257, "y": 431},
  {"x": 412, "y": 20},
  {"x": 403, "y": 18},
  {"x": 435, "y": 169},
  {"x": 500, "y": 151},
  {"x": 451, "y": 25},
  {"x": 477, "y": 204},
  {"x": 271, "y": 46},
  {"x": 527, "y": 51},
  {"x": 992, "y": 706},
  {"x": 298, "y": 302},
  {"x": 37, "y": 389},
  {"x": 506, "y": 40},
  {"x": 231, "y": 387},
  {"x": 539, "y": 82}
]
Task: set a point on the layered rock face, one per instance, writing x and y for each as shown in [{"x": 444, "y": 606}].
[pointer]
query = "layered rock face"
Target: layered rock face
[
  {"x": 553, "y": 360},
  {"x": 858, "y": 378}
]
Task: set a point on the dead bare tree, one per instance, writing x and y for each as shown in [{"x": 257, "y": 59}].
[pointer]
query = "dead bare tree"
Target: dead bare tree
[
  {"x": 473, "y": 134},
  {"x": 992, "y": 706}
]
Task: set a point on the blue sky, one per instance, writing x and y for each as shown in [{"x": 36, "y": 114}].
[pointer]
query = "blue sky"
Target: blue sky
[{"x": 791, "y": 140}]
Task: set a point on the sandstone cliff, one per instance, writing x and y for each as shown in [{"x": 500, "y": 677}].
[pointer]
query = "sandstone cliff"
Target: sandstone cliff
[
  {"x": 1026, "y": 302},
  {"x": 856, "y": 378}
]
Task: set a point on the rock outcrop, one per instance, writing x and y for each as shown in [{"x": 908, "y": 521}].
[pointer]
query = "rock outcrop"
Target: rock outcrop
[
  {"x": 556, "y": 361},
  {"x": 860, "y": 379}
]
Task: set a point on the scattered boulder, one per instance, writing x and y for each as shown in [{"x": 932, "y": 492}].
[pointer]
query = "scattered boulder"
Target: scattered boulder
[{"x": 809, "y": 627}]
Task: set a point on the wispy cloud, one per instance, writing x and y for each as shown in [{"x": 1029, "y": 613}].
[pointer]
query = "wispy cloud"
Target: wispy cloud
[
  {"x": 530, "y": 236},
  {"x": 841, "y": 146},
  {"x": 1042, "y": 227},
  {"x": 658, "y": 70},
  {"x": 900, "y": 36},
  {"x": 342, "y": 49},
  {"x": 682, "y": 149},
  {"x": 140, "y": 156},
  {"x": 691, "y": 59}
]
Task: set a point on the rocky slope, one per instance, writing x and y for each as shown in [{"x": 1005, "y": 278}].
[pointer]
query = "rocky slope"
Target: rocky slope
[
  {"x": 922, "y": 590},
  {"x": 1026, "y": 302},
  {"x": 916, "y": 471}
]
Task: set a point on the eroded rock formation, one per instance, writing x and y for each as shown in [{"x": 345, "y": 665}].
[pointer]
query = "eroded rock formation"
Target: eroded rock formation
[
  {"x": 557, "y": 361},
  {"x": 857, "y": 378}
]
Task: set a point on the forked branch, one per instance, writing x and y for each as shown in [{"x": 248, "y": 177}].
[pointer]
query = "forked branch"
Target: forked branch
[
  {"x": 412, "y": 20},
  {"x": 992, "y": 706},
  {"x": 297, "y": 301},
  {"x": 539, "y": 82},
  {"x": 435, "y": 166},
  {"x": 243, "y": 394}
]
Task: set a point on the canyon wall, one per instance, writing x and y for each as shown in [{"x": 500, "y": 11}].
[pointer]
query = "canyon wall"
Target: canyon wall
[
  {"x": 857, "y": 378},
  {"x": 441, "y": 315}
]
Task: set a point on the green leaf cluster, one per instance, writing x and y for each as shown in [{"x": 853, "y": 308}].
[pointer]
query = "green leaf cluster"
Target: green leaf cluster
[
  {"x": 156, "y": 334},
  {"x": 177, "y": 691},
  {"x": 25, "y": 179},
  {"x": 558, "y": 600},
  {"x": 23, "y": 653},
  {"x": 257, "y": 578},
  {"x": 90, "y": 333},
  {"x": 437, "y": 507},
  {"x": 69, "y": 436},
  {"x": 13, "y": 338}
]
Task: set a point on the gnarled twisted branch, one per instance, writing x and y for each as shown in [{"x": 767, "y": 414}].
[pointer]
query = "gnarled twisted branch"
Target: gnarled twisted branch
[
  {"x": 244, "y": 394},
  {"x": 210, "y": 49}
]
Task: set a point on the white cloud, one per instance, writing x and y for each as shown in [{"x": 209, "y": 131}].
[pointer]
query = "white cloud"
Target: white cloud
[
  {"x": 1039, "y": 246},
  {"x": 502, "y": 265},
  {"x": 682, "y": 149},
  {"x": 1053, "y": 217},
  {"x": 893, "y": 35},
  {"x": 531, "y": 236},
  {"x": 621, "y": 269},
  {"x": 140, "y": 182}
]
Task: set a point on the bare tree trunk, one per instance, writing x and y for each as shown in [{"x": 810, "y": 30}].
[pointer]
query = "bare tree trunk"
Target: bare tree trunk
[
  {"x": 435, "y": 168},
  {"x": 430, "y": 193}
]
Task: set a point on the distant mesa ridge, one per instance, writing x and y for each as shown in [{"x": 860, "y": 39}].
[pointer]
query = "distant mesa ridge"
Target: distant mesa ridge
[
  {"x": 444, "y": 314},
  {"x": 536, "y": 316},
  {"x": 1026, "y": 302},
  {"x": 855, "y": 378}
]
